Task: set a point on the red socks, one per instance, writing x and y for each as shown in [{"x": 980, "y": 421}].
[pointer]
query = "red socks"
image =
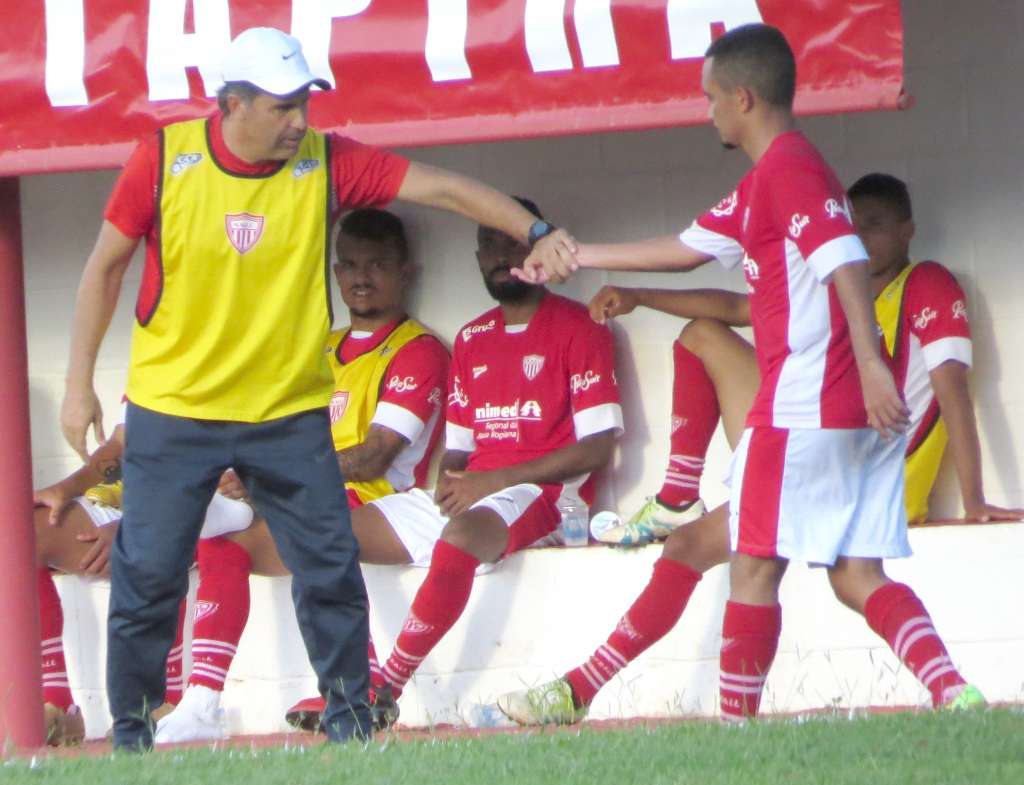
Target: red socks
[
  {"x": 898, "y": 616},
  {"x": 437, "y": 606},
  {"x": 221, "y": 610},
  {"x": 56, "y": 689},
  {"x": 750, "y": 636},
  {"x": 652, "y": 615},
  {"x": 695, "y": 416}
]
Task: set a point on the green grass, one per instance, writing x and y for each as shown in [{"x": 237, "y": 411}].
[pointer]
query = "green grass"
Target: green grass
[{"x": 908, "y": 749}]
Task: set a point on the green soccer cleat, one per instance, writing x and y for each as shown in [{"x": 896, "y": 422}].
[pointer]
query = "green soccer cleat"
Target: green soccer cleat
[
  {"x": 968, "y": 699},
  {"x": 547, "y": 704},
  {"x": 653, "y": 521}
]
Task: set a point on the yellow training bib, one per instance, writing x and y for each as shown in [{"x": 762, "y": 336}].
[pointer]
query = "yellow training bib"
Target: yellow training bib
[
  {"x": 357, "y": 389},
  {"x": 238, "y": 328}
]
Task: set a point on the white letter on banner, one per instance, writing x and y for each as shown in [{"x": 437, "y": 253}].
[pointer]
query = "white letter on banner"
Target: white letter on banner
[
  {"x": 311, "y": 24},
  {"x": 595, "y": 32},
  {"x": 447, "y": 22},
  {"x": 545, "y": 36},
  {"x": 65, "y": 53},
  {"x": 689, "y": 22},
  {"x": 170, "y": 50}
]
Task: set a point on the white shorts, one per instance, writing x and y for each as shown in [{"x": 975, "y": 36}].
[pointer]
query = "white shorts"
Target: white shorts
[
  {"x": 100, "y": 514},
  {"x": 815, "y": 495},
  {"x": 528, "y": 510},
  {"x": 223, "y": 516}
]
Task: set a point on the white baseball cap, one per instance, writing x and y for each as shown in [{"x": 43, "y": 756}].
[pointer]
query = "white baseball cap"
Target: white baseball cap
[{"x": 269, "y": 60}]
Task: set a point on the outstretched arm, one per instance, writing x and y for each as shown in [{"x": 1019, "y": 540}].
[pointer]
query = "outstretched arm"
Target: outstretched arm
[
  {"x": 949, "y": 381},
  {"x": 98, "y": 293},
  {"x": 436, "y": 187},
  {"x": 728, "y": 307}
]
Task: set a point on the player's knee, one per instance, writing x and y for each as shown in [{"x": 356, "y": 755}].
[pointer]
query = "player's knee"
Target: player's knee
[
  {"x": 699, "y": 333},
  {"x": 476, "y": 536}
]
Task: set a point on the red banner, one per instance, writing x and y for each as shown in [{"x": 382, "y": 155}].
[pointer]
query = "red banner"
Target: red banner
[{"x": 82, "y": 80}]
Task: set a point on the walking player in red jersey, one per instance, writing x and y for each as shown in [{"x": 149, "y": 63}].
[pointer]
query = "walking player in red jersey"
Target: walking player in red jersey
[
  {"x": 810, "y": 479},
  {"x": 227, "y": 365}
]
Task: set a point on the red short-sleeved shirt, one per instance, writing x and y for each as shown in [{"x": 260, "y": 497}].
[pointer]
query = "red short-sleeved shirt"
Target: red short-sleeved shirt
[{"x": 788, "y": 223}]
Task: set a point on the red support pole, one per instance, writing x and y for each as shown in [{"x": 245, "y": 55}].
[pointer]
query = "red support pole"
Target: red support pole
[{"x": 21, "y": 698}]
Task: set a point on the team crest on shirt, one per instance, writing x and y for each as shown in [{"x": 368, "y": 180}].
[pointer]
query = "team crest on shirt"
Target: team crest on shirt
[
  {"x": 204, "y": 608},
  {"x": 532, "y": 363},
  {"x": 244, "y": 230},
  {"x": 338, "y": 405}
]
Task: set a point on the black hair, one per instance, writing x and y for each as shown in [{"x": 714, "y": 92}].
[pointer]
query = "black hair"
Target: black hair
[
  {"x": 368, "y": 223},
  {"x": 886, "y": 188},
  {"x": 756, "y": 56}
]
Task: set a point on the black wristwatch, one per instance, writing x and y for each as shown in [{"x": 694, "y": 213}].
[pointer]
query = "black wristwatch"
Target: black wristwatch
[{"x": 540, "y": 228}]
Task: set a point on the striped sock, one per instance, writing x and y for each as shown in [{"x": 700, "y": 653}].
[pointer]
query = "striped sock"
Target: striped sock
[
  {"x": 221, "y": 610},
  {"x": 695, "y": 414},
  {"x": 898, "y": 616},
  {"x": 652, "y": 615},
  {"x": 437, "y": 606},
  {"x": 750, "y": 636},
  {"x": 56, "y": 689}
]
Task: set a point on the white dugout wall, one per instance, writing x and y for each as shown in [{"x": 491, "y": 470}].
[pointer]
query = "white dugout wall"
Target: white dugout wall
[{"x": 958, "y": 148}]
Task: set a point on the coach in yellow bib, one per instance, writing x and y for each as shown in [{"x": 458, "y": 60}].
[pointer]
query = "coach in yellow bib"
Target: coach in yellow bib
[{"x": 227, "y": 366}]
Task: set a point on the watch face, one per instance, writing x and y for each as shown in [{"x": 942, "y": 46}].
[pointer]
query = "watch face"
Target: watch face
[{"x": 540, "y": 229}]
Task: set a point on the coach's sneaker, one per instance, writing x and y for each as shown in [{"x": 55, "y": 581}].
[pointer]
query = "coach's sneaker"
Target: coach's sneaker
[
  {"x": 547, "y": 704},
  {"x": 306, "y": 714},
  {"x": 653, "y": 521},
  {"x": 968, "y": 699},
  {"x": 63, "y": 728},
  {"x": 198, "y": 717},
  {"x": 383, "y": 707}
]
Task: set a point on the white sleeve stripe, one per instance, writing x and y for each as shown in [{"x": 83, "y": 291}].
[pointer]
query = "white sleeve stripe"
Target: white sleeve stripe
[
  {"x": 398, "y": 419},
  {"x": 835, "y": 253},
  {"x": 722, "y": 247},
  {"x": 595, "y": 419},
  {"x": 458, "y": 437},
  {"x": 953, "y": 347}
]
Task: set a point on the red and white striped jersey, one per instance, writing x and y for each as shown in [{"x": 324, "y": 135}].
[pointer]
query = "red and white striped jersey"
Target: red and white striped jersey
[
  {"x": 519, "y": 392},
  {"x": 788, "y": 223}
]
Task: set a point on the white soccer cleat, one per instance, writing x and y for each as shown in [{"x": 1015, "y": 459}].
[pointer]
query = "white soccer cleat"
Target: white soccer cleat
[
  {"x": 198, "y": 717},
  {"x": 653, "y": 521}
]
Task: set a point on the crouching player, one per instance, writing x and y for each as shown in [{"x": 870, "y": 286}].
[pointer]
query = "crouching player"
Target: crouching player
[
  {"x": 389, "y": 376},
  {"x": 923, "y": 314},
  {"x": 533, "y": 408}
]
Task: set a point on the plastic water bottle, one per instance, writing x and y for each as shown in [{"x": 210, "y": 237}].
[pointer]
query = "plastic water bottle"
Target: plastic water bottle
[{"x": 575, "y": 519}]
